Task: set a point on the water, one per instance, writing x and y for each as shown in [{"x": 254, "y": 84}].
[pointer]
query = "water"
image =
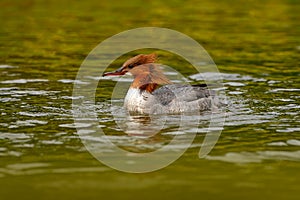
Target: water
[{"x": 256, "y": 47}]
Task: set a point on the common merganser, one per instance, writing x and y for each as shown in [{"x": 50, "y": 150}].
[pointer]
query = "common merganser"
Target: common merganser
[{"x": 145, "y": 95}]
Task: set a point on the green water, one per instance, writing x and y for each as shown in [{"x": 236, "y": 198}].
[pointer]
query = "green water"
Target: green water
[{"x": 255, "y": 44}]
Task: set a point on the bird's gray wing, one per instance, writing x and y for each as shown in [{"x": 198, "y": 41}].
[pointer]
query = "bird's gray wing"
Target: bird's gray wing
[{"x": 168, "y": 93}]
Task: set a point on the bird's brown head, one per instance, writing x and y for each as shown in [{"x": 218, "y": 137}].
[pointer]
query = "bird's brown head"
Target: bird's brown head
[{"x": 132, "y": 63}]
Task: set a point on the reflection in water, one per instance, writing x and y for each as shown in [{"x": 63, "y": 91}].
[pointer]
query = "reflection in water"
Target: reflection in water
[{"x": 139, "y": 125}]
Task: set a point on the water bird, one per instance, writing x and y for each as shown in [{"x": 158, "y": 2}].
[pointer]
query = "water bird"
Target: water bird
[{"x": 151, "y": 92}]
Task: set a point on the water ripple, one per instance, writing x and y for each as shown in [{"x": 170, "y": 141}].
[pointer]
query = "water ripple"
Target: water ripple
[
  {"x": 23, "y": 81},
  {"x": 21, "y": 169},
  {"x": 256, "y": 157},
  {"x": 7, "y": 67}
]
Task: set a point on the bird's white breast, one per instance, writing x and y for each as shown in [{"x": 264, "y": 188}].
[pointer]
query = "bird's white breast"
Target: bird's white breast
[{"x": 137, "y": 100}]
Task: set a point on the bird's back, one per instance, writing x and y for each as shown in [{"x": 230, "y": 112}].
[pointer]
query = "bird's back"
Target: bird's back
[{"x": 185, "y": 98}]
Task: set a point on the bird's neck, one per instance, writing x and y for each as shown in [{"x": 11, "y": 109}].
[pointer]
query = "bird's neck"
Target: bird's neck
[{"x": 149, "y": 82}]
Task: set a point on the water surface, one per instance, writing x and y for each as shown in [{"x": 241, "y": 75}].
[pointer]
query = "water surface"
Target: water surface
[{"x": 256, "y": 47}]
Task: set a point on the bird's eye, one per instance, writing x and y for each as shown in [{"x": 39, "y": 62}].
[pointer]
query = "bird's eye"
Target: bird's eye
[{"x": 130, "y": 66}]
